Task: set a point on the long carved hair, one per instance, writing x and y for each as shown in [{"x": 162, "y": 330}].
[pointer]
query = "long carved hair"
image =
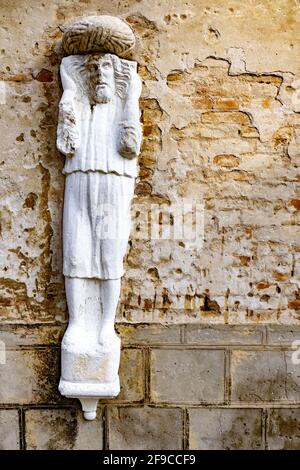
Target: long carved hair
[{"x": 75, "y": 74}]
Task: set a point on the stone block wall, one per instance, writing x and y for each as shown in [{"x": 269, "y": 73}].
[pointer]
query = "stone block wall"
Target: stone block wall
[
  {"x": 207, "y": 327},
  {"x": 183, "y": 387}
]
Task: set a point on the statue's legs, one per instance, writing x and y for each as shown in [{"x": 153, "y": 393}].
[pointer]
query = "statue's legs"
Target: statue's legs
[
  {"x": 75, "y": 294},
  {"x": 90, "y": 346},
  {"x": 92, "y": 305},
  {"x": 110, "y": 293}
]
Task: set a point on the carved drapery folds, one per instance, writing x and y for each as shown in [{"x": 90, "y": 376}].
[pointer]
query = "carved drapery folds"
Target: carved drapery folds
[{"x": 100, "y": 135}]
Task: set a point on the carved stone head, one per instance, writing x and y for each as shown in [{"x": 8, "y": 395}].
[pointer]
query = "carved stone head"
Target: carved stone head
[
  {"x": 101, "y": 75},
  {"x": 107, "y": 75},
  {"x": 98, "y": 76}
]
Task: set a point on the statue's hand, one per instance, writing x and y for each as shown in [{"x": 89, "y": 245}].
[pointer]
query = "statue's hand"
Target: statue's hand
[
  {"x": 129, "y": 141},
  {"x": 67, "y": 141},
  {"x": 67, "y": 133}
]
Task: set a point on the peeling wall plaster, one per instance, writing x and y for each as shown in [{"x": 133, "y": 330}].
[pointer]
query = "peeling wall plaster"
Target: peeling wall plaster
[{"x": 220, "y": 109}]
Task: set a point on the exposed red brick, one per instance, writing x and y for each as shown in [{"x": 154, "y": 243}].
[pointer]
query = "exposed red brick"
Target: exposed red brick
[
  {"x": 234, "y": 117},
  {"x": 202, "y": 103},
  {"x": 44, "y": 75},
  {"x": 295, "y": 203},
  {"x": 227, "y": 161},
  {"x": 245, "y": 260},
  {"x": 281, "y": 276},
  {"x": 263, "y": 285},
  {"x": 143, "y": 188},
  {"x": 226, "y": 104},
  {"x": 294, "y": 304}
]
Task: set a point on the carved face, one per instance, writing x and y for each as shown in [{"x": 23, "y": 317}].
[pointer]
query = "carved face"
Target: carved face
[{"x": 102, "y": 78}]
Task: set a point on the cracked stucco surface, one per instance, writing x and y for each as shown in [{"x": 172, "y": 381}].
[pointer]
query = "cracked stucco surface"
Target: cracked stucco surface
[{"x": 221, "y": 116}]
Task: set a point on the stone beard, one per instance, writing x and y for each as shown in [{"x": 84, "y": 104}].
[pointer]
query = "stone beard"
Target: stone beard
[{"x": 100, "y": 134}]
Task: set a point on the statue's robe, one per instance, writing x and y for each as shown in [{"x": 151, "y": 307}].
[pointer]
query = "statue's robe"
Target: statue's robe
[{"x": 99, "y": 181}]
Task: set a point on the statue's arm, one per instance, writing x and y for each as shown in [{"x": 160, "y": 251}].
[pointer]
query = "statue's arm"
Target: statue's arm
[
  {"x": 130, "y": 131},
  {"x": 130, "y": 139},
  {"x": 67, "y": 129}
]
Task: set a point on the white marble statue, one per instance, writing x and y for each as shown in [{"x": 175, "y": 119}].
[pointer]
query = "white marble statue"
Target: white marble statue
[{"x": 100, "y": 135}]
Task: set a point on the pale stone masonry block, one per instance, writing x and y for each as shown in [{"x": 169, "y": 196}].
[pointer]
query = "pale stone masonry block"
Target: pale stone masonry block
[
  {"x": 9, "y": 430},
  {"x": 187, "y": 376},
  {"x": 131, "y": 376},
  {"x": 30, "y": 376},
  {"x": 225, "y": 429},
  {"x": 145, "y": 428},
  {"x": 148, "y": 334},
  {"x": 283, "y": 335},
  {"x": 31, "y": 335},
  {"x": 223, "y": 334},
  {"x": 264, "y": 376},
  {"x": 62, "y": 429},
  {"x": 283, "y": 431}
]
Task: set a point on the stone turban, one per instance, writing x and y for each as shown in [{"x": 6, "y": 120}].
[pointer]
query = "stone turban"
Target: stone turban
[{"x": 99, "y": 34}]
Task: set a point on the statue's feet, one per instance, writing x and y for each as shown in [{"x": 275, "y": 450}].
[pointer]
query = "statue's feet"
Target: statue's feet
[{"x": 108, "y": 338}]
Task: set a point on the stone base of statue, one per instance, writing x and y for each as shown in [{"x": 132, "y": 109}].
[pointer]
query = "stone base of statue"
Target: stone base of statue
[
  {"x": 89, "y": 394},
  {"x": 90, "y": 372}
]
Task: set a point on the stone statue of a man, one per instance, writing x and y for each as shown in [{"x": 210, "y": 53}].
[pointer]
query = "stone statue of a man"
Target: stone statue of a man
[{"x": 100, "y": 135}]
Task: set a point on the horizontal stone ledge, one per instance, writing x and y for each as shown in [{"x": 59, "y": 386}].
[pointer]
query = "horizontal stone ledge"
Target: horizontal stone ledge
[
  {"x": 190, "y": 406},
  {"x": 224, "y": 334},
  {"x": 209, "y": 347},
  {"x": 262, "y": 404},
  {"x": 283, "y": 335},
  {"x": 40, "y": 406},
  {"x": 110, "y": 403},
  {"x": 149, "y": 333},
  {"x": 167, "y": 346},
  {"x": 164, "y": 335},
  {"x": 31, "y": 335},
  {"x": 184, "y": 404}
]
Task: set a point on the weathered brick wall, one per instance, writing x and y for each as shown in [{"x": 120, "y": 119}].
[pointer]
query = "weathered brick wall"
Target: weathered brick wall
[{"x": 221, "y": 115}]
